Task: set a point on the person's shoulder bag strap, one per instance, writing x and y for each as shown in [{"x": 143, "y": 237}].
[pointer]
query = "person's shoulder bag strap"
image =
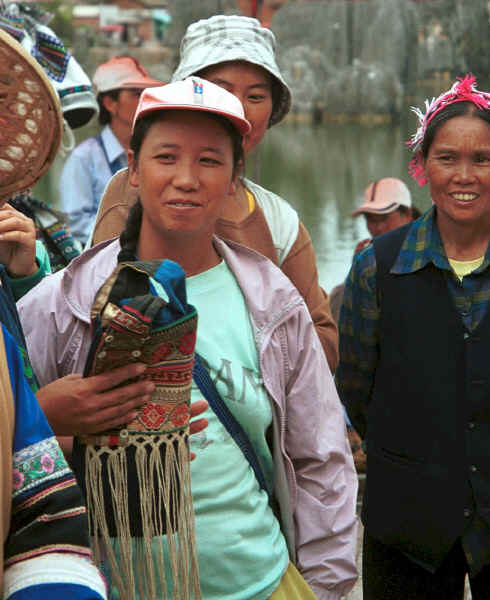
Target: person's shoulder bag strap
[
  {"x": 117, "y": 164},
  {"x": 211, "y": 394}
]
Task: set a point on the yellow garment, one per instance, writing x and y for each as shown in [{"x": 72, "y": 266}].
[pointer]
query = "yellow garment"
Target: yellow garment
[
  {"x": 293, "y": 587},
  {"x": 251, "y": 200},
  {"x": 464, "y": 267}
]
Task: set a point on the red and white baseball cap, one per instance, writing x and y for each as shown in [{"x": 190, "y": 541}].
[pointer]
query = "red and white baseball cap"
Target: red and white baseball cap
[
  {"x": 384, "y": 196},
  {"x": 194, "y": 93},
  {"x": 122, "y": 72}
]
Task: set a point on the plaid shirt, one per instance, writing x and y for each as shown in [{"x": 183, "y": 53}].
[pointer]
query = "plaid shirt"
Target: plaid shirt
[{"x": 359, "y": 328}]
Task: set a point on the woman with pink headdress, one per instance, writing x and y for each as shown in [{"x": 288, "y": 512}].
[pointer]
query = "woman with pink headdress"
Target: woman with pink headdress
[{"x": 413, "y": 373}]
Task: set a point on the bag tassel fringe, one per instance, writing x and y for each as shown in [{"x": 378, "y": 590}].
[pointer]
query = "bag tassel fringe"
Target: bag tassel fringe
[{"x": 149, "y": 581}]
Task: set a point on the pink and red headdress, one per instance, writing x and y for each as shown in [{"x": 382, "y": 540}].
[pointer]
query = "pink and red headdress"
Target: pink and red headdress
[{"x": 464, "y": 90}]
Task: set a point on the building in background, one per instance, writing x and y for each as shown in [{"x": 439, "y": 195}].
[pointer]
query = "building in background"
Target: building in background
[{"x": 132, "y": 22}]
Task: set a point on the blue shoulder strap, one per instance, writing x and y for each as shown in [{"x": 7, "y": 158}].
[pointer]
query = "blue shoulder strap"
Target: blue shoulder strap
[
  {"x": 209, "y": 391},
  {"x": 117, "y": 164}
]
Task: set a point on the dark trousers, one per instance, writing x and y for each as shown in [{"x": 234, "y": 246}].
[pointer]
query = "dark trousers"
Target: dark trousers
[{"x": 389, "y": 575}]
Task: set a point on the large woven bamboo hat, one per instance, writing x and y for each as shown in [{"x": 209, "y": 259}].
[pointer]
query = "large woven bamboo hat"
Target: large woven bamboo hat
[{"x": 30, "y": 119}]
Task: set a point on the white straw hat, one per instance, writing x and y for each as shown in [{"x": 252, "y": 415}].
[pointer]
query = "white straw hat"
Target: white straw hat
[{"x": 77, "y": 98}]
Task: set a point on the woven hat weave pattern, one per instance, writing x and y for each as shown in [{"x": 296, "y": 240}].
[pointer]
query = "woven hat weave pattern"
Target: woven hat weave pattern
[
  {"x": 30, "y": 119},
  {"x": 227, "y": 38}
]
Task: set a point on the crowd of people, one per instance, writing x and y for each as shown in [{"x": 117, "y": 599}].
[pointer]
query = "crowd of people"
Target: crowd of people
[{"x": 184, "y": 406}]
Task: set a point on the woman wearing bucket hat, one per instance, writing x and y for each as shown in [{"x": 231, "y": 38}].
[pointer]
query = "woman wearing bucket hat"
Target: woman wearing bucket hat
[
  {"x": 119, "y": 83},
  {"x": 238, "y": 54},
  {"x": 259, "y": 352},
  {"x": 45, "y": 550},
  {"x": 413, "y": 372}
]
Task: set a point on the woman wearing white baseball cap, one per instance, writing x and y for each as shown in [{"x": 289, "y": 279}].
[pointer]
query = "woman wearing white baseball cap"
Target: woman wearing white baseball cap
[
  {"x": 261, "y": 352},
  {"x": 238, "y": 54}
]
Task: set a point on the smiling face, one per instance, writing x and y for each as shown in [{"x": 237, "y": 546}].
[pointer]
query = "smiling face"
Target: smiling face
[
  {"x": 457, "y": 168},
  {"x": 252, "y": 85},
  {"x": 184, "y": 171}
]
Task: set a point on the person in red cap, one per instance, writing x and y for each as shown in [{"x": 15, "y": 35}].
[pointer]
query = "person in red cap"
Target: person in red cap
[
  {"x": 119, "y": 83},
  {"x": 387, "y": 205}
]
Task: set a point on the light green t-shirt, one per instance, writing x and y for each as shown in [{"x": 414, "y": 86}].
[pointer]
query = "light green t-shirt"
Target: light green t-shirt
[{"x": 242, "y": 552}]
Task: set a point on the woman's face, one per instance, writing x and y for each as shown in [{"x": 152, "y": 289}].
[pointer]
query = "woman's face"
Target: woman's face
[
  {"x": 251, "y": 84},
  {"x": 457, "y": 168},
  {"x": 184, "y": 173}
]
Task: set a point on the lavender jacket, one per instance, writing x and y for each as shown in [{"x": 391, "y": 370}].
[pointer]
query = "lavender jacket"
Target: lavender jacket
[{"x": 315, "y": 479}]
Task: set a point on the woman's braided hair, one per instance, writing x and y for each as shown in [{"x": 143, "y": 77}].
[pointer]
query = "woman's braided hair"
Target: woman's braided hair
[{"x": 129, "y": 237}]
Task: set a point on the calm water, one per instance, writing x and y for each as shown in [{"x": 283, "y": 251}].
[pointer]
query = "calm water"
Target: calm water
[{"x": 322, "y": 171}]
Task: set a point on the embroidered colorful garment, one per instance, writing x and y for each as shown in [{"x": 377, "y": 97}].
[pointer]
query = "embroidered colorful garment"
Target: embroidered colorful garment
[
  {"x": 51, "y": 230},
  {"x": 27, "y": 23},
  {"x": 47, "y": 554},
  {"x": 51, "y": 54},
  {"x": 137, "y": 479}
]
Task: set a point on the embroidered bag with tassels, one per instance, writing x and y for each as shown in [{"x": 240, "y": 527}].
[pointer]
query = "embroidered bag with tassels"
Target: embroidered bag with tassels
[{"x": 137, "y": 479}]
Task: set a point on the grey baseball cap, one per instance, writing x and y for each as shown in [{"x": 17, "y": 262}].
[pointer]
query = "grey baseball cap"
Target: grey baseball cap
[{"x": 225, "y": 38}]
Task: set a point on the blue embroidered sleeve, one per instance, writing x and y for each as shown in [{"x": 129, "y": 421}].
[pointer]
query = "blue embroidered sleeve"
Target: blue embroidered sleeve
[{"x": 48, "y": 538}]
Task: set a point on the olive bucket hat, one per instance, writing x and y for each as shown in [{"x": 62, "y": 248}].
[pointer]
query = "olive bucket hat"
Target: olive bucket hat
[
  {"x": 225, "y": 38},
  {"x": 30, "y": 119}
]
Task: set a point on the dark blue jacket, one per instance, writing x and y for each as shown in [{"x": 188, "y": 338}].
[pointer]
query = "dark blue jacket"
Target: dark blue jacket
[{"x": 428, "y": 421}]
